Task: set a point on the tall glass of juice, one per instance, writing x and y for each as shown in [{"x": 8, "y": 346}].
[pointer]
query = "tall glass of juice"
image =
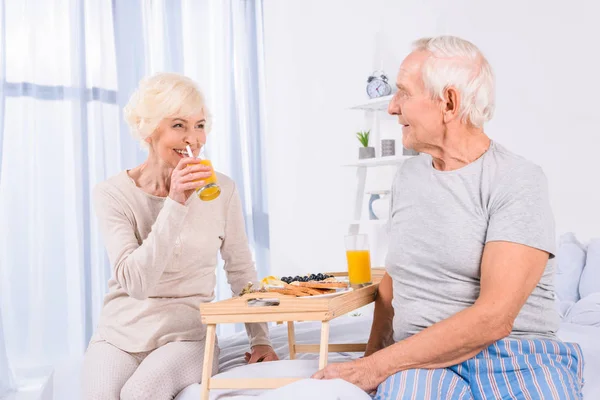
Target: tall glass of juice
[
  {"x": 359, "y": 260},
  {"x": 211, "y": 189}
]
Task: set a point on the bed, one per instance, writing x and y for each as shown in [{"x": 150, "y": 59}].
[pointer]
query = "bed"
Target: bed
[
  {"x": 578, "y": 300},
  {"x": 346, "y": 330}
]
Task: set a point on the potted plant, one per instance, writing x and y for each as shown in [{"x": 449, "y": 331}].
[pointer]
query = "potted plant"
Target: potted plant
[{"x": 365, "y": 151}]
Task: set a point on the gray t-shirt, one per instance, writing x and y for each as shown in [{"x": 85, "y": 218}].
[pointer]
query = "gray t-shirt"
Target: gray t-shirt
[{"x": 440, "y": 223}]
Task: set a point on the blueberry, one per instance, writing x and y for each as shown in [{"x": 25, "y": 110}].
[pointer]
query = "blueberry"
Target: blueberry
[
  {"x": 296, "y": 278},
  {"x": 313, "y": 277}
]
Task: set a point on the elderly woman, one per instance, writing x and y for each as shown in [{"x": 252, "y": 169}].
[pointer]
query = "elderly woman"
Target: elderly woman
[{"x": 162, "y": 242}]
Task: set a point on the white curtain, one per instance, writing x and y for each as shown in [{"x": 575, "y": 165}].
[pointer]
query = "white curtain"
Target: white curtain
[
  {"x": 67, "y": 68},
  {"x": 6, "y": 379},
  {"x": 60, "y": 136},
  {"x": 7, "y": 384}
]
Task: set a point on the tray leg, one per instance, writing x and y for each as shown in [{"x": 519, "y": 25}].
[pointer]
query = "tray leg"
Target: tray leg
[
  {"x": 324, "y": 344},
  {"x": 291, "y": 340},
  {"x": 209, "y": 353}
]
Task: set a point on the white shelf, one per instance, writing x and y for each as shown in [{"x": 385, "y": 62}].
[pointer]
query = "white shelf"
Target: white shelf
[
  {"x": 376, "y": 104},
  {"x": 379, "y": 161},
  {"x": 369, "y": 222},
  {"x": 379, "y": 192}
]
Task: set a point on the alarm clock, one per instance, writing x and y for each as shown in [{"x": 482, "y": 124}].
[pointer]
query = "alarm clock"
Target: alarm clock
[{"x": 378, "y": 86}]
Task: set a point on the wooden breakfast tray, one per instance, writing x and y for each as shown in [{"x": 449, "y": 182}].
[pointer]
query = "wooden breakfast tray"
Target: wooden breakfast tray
[{"x": 289, "y": 309}]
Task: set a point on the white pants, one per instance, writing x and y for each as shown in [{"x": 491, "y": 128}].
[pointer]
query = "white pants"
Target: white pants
[{"x": 110, "y": 373}]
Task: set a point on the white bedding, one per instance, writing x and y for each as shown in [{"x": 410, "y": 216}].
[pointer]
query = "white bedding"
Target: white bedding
[
  {"x": 343, "y": 330},
  {"x": 347, "y": 330}
]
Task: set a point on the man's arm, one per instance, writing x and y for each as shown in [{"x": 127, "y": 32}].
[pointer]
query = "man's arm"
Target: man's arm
[
  {"x": 509, "y": 273},
  {"x": 381, "y": 330}
]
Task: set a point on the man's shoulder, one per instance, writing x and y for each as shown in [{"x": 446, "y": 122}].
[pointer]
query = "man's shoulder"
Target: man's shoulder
[
  {"x": 509, "y": 166},
  {"x": 414, "y": 165}
]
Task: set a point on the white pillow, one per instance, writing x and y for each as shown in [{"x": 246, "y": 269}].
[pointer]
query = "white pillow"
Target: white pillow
[
  {"x": 590, "y": 278},
  {"x": 586, "y": 311},
  {"x": 570, "y": 263},
  {"x": 563, "y": 308}
]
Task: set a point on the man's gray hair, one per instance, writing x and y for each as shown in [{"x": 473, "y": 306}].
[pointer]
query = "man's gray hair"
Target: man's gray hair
[{"x": 455, "y": 62}]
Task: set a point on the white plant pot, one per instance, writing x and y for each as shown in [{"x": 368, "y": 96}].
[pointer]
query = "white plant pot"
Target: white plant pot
[{"x": 381, "y": 207}]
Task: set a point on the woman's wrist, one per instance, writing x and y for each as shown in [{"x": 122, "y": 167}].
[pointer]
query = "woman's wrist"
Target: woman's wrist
[
  {"x": 178, "y": 198},
  {"x": 260, "y": 342},
  {"x": 258, "y": 346}
]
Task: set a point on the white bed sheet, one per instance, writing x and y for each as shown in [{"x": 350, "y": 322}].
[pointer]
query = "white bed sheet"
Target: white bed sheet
[
  {"x": 346, "y": 330},
  {"x": 232, "y": 364}
]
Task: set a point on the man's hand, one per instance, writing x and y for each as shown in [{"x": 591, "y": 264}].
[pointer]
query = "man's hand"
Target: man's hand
[
  {"x": 261, "y": 353},
  {"x": 363, "y": 373}
]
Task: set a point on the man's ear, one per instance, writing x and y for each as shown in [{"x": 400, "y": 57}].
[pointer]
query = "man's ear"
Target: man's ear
[{"x": 451, "y": 104}]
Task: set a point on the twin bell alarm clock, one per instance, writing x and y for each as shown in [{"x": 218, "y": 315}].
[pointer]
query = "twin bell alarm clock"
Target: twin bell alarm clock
[{"x": 377, "y": 85}]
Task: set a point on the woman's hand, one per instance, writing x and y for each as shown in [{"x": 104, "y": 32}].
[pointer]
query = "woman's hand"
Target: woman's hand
[
  {"x": 261, "y": 353},
  {"x": 188, "y": 176}
]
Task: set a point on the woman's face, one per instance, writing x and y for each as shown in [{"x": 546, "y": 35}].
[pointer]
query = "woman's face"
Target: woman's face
[{"x": 172, "y": 135}]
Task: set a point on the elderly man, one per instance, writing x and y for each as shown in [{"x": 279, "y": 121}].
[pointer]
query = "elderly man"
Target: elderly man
[{"x": 466, "y": 309}]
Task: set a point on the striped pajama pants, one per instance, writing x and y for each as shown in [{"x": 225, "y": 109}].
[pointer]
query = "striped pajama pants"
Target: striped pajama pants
[{"x": 508, "y": 369}]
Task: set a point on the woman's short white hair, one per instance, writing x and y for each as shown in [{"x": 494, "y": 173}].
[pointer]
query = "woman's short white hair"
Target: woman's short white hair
[
  {"x": 458, "y": 63},
  {"x": 160, "y": 96}
]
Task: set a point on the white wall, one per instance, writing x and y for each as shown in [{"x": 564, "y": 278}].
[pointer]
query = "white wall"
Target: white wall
[
  {"x": 547, "y": 67},
  {"x": 319, "y": 53}
]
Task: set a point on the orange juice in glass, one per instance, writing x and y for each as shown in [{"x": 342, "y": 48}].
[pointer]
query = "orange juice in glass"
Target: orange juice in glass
[
  {"x": 359, "y": 260},
  {"x": 211, "y": 189}
]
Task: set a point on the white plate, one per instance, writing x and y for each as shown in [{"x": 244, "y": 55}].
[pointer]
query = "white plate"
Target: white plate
[{"x": 320, "y": 296}]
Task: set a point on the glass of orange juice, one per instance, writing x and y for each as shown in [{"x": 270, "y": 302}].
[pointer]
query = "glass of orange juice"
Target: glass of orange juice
[
  {"x": 359, "y": 260},
  {"x": 211, "y": 189}
]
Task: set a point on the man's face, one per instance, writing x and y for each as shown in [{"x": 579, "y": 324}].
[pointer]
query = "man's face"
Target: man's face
[{"x": 420, "y": 116}]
